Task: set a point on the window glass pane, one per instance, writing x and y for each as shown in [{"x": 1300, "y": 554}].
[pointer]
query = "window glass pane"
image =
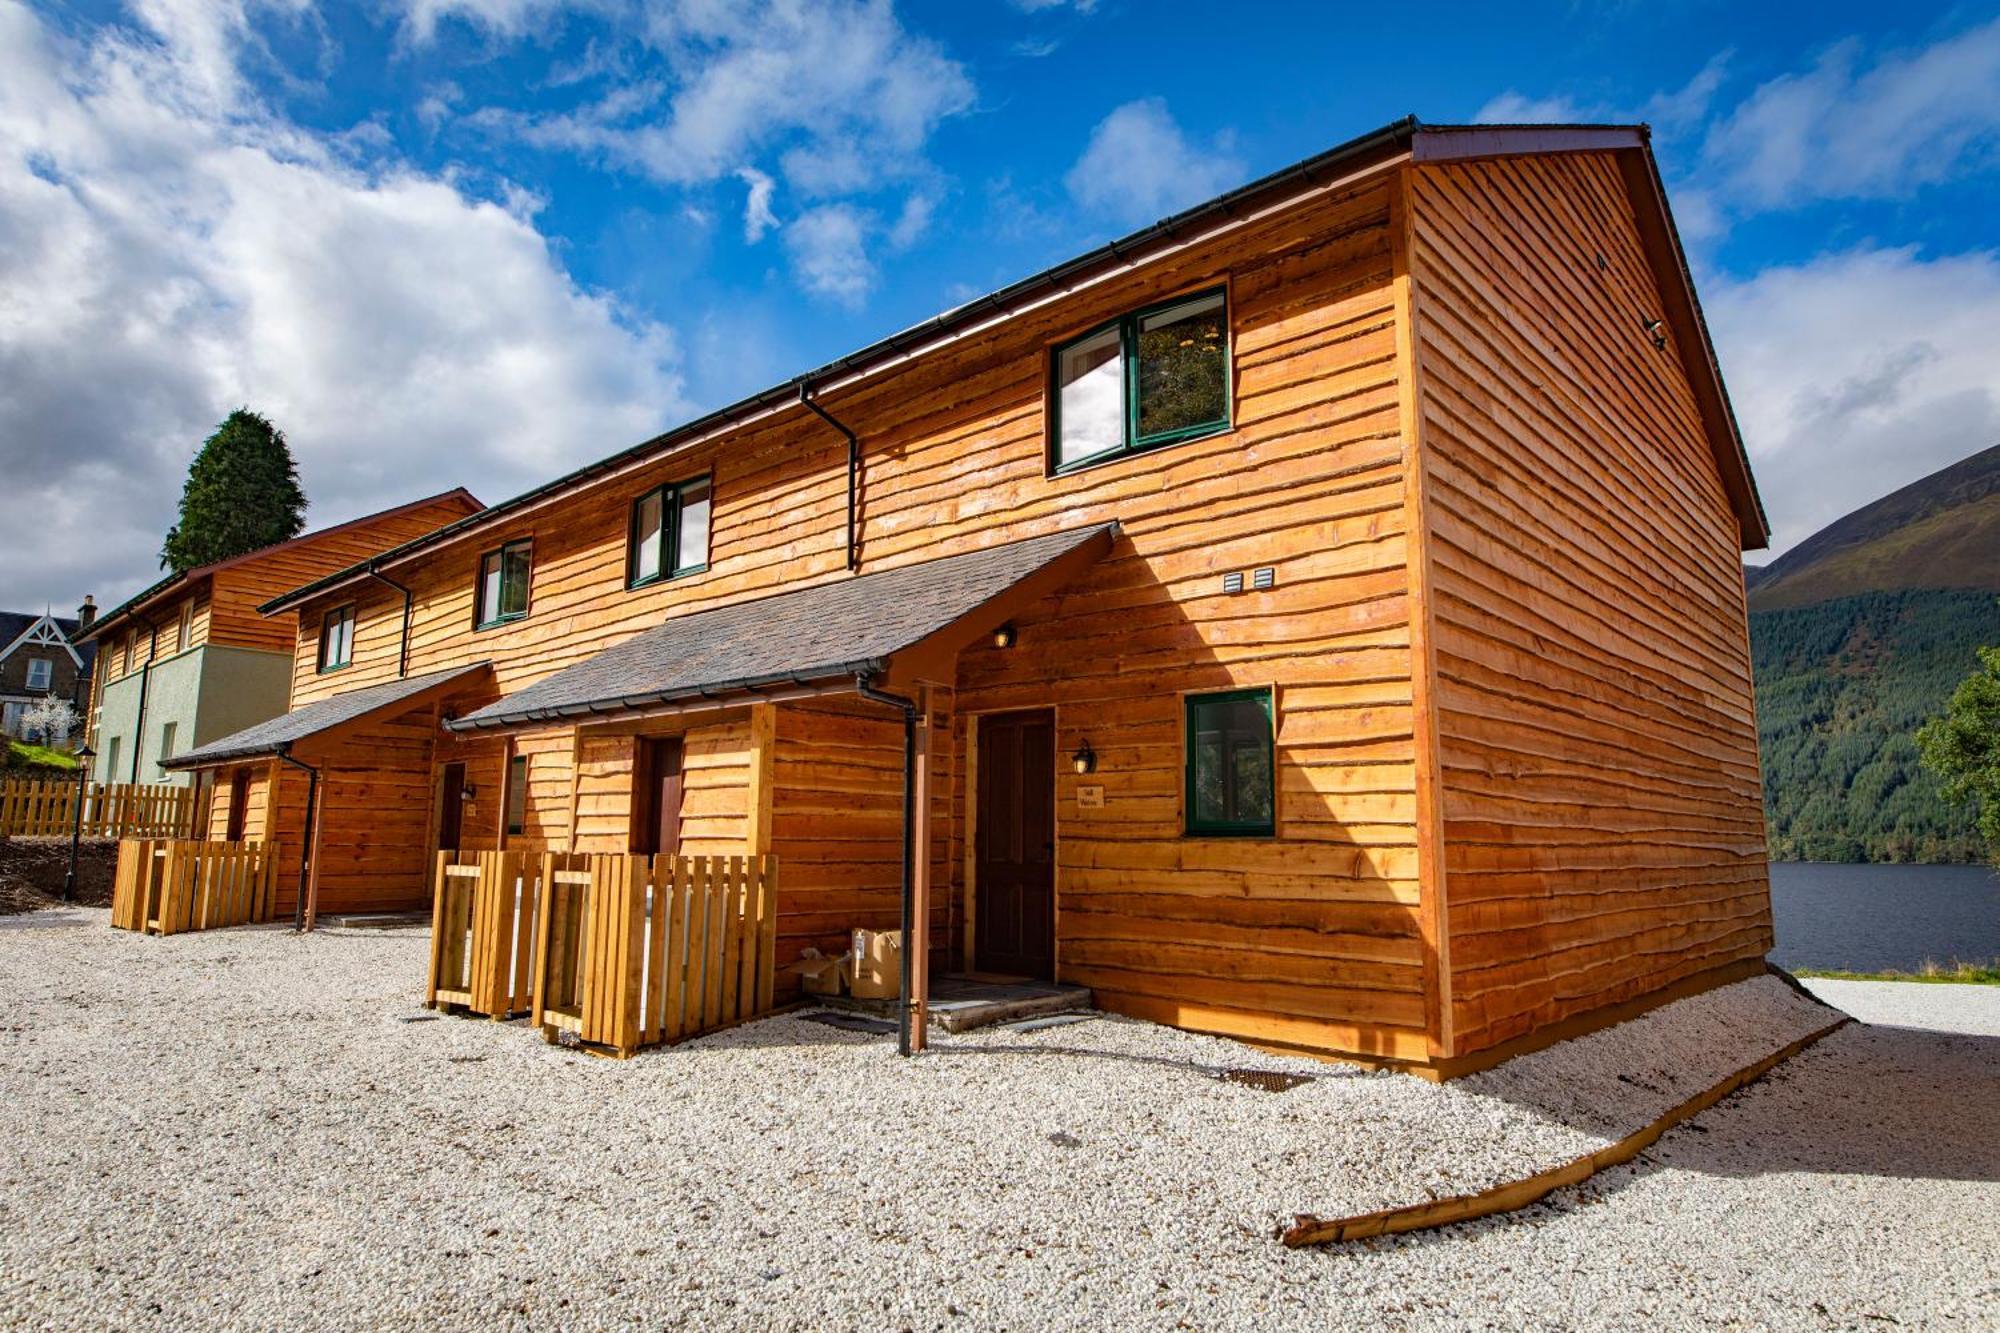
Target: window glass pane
[
  {"x": 517, "y": 793},
  {"x": 39, "y": 671},
  {"x": 1230, "y": 779},
  {"x": 691, "y": 533},
  {"x": 514, "y": 580},
  {"x": 1090, "y": 410},
  {"x": 1183, "y": 367},
  {"x": 646, "y": 538},
  {"x": 489, "y": 587}
]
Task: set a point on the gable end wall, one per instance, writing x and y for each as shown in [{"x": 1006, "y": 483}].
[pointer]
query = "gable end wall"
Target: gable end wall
[{"x": 1601, "y": 808}]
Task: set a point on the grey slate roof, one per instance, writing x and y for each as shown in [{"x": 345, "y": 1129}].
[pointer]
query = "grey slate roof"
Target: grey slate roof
[
  {"x": 271, "y": 737},
  {"x": 819, "y": 633}
]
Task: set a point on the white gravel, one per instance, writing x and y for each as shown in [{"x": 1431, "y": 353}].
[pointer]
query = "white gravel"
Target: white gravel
[{"x": 235, "y": 1129}]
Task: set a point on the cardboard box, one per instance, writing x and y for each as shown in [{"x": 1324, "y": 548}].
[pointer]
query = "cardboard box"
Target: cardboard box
[
  {"x": 876, "y": 965},
  {"x": 821, "y": 975}
]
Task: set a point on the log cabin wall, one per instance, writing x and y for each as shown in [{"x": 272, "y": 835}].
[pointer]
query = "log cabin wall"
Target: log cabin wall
[
  {"x": 837, "y": 820},
  {"x": 241, "y": 587},
  {"x": 1311, "y": 937},
  {"x": 375, "y": 836},
  {"x": 1602, "y": 825}
]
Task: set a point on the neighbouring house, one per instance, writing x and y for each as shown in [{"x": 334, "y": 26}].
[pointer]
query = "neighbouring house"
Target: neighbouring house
[
  {"x": 190, "y": 659},
  {"x": 1317, "y": 617},
  {"x": 39, "y": 656}
]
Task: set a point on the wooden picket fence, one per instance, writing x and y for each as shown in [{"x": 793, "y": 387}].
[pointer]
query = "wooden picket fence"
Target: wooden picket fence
[
  {"x": 625, "y": 951},
  {"x": 483, "y": 930},
  {"x": 46, "y": 808},
  {"x": 168, "y": 885}
]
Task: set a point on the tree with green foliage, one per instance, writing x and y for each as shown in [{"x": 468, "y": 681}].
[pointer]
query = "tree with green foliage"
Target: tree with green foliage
[
  {"x": 242, "y": 494},
  {"x": 1962, "y": 746}
]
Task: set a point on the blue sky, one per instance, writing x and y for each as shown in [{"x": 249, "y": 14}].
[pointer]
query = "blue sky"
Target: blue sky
[{"x": 481, "y": 241}]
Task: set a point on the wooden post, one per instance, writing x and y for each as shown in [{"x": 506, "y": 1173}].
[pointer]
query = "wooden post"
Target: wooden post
[{"x": 919, "y": 943}]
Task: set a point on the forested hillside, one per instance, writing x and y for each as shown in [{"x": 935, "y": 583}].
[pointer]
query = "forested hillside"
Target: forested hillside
[{"x": 1841, "y": 687}]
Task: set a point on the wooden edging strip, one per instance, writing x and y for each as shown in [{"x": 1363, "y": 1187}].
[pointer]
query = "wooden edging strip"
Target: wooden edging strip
[{"x": 1307, "y": 1229}]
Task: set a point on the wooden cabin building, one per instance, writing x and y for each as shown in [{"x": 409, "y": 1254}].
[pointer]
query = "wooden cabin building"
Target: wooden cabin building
[
  {"x": 190, "y": 659},
  {"x": 1319, "y": 617}
]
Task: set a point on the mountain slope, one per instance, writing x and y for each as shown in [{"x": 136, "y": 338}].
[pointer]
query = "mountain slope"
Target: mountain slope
[
  {"x": 1940, "y": 532},
  {"x": 1858, "y": 635}
]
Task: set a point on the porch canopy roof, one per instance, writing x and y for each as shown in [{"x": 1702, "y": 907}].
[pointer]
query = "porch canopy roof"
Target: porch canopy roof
[
  {"x": 279, "y": 734},
  {"x": 896, "y": 622}
]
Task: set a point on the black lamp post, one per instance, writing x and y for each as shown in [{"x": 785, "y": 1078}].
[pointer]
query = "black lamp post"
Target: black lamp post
[{"x": 84, "y": 755}]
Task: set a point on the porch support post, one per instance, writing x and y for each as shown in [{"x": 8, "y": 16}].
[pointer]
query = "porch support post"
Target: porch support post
[{"x": 918, "y": 945}]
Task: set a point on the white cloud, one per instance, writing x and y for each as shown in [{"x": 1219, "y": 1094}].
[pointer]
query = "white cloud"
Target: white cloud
[
  {"x": 829, "y": 250},
  {"x": 174, "y": 252},
  {"x": 1515, "y": 108},
  {"x": 838, "y": 88},
  {"x": 913, "y": 221},
  {"x": 1139, "y": 167},
  {"x": 1841, "y": 131},
  {"x": 757, "y": 215},
  {"x": 1858, "y": 372},
  {"x": 502, "y": 18}
]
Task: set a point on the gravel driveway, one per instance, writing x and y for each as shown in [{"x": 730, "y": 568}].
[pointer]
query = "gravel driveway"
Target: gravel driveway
[{"x": 238, "y": 1129}]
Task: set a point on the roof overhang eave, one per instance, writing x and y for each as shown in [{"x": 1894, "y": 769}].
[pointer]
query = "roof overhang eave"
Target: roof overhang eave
[{"x": 835, "y": 679}]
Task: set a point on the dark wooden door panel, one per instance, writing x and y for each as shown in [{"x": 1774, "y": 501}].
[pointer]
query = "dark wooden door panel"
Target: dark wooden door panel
[
  {"x": 1015, "y": 845},
  {"x": 451, "y": 807},
  {"x": 656, "y": 796}
]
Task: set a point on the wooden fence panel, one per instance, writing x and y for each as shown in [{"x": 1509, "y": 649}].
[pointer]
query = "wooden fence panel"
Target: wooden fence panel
[
  {"x": 42, "y": 808},
  {"x": 484, "y": 931},
  {"x": 632, "y": 951},
  {"x": 165, "y": 886}
]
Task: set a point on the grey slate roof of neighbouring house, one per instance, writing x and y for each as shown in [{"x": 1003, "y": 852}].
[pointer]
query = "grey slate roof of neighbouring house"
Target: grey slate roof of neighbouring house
[
  {"x": 279, "y": 733},
  {"x": 815, "y": 634}
]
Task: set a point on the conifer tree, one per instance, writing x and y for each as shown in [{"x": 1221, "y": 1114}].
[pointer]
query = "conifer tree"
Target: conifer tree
[{"x": 242, "y": 493}]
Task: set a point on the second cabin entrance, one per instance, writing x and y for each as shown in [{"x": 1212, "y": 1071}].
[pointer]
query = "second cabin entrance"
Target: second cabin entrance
[
  {"x": 1014, "y": 845},
  {"x": 656, "y": 795}
]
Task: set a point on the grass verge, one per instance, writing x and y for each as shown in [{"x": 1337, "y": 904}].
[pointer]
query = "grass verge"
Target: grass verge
[
  {"x": 22, "y": 756},
  {"x": 1955, "y": 973}
]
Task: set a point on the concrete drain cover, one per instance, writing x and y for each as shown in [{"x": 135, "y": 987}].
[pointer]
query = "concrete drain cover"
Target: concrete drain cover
[{"x": 1264, "y": 1080}]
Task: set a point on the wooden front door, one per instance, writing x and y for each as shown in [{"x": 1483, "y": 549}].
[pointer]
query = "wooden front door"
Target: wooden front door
[
  {"x": 451, "y": 807},
  {"x": 1014, "y": 858},
  {"x": 656, "y": 796}
]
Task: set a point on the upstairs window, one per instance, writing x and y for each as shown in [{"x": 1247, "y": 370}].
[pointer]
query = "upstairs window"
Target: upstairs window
[
  {"x": 1154, "y": 377},
  {"x": 503, "y": 584},
  {"x": 336, "y": 639},
  {"x": 184, "y": 629},
  {"x": 1231, "y": 788},
  {"x": 669, "y": 533},
  {"x": 41, "y": 671}
]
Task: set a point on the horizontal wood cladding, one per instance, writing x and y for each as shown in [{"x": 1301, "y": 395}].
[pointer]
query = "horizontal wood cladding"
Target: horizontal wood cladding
[
  {"x": 1602, "y": 823},
  {"x": 1309, "y": 937},
  {"x": 837, "y": 819}
]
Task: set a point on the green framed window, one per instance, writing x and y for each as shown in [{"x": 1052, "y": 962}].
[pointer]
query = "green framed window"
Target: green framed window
[
  {"x": 1155, "y": 377},
  {"x": 669, "y": 533},
  {"x": 503, "y": 584},
  {"x": 336, "y": 639},
  {"x": 517, "y": 794},
  {"x": 1231, "y": 765}
]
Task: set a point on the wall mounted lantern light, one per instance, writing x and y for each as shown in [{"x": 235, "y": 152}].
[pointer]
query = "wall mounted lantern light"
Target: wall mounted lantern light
[
  {"x": 1085, "y": 759},
  {"x": 1004, "y": 636}
]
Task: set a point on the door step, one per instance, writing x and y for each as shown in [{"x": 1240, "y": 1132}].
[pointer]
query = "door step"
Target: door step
[{"x": 961, "y": 1004}]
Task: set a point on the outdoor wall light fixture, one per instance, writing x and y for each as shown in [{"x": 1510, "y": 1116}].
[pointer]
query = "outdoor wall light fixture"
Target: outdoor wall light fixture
[
  {"x": 1085, "y": 759},
  {"x": 468, "y": 792},
  {"x": 1004, "y": 636},
  {"x": 1658, "y": 328}
]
